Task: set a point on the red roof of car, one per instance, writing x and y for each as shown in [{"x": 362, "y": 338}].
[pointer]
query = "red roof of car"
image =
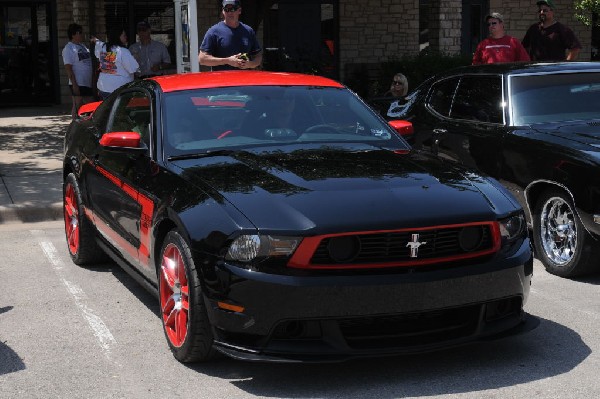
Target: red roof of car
[{"x": 203, "y": 80}]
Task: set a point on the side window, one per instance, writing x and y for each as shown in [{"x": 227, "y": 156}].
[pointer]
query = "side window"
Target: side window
[
  {"x": 478, "y": 98},
  {"x": 441, "y": 95},
  {"x": 131, "y": 113}
]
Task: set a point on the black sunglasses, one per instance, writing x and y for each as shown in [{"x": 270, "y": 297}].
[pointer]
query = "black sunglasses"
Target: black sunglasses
[
  {"x": 493, "y": 23},
  {"x": 396, "y": 82},
  {"x": 231, "y": 9}
]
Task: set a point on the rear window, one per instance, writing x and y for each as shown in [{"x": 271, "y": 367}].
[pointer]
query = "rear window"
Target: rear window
[{"x": 555, "y": 97}]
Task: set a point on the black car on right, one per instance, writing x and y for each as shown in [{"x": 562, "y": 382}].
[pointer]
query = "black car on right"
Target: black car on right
[{"x": 536, "y": 128}]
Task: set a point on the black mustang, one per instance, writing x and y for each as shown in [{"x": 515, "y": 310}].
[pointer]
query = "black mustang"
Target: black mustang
[
  {"x": 535, "y": 128},
  {"x": 277, "y": 217}
]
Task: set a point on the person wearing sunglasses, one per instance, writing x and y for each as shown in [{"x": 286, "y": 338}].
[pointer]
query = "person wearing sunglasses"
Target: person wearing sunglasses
[
  {"x": 398, "y": 90},
  {"x": 548, "y": 39},
  {"x": 399, "y": 86},
  {"x": 230, "y": 44},
  {"x": 498, "y": 47}
]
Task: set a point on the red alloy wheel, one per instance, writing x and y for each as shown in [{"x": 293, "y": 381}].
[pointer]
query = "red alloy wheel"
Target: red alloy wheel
[
  {"x": 71, "y": 219},
  {"x": 174, "y": 295}
]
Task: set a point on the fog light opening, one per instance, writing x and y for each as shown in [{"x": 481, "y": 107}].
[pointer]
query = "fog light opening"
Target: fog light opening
[
  {"x": 343, "y": 249},
  {"x": 500, "y": 309},
  {"x": 290, "y": 329},
  {"x": 470, "y": 238}
]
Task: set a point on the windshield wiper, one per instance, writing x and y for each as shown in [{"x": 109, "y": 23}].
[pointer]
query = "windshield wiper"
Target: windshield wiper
[{"x": 212, "y": 153}]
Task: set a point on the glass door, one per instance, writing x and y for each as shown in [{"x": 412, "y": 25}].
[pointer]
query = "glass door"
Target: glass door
[
  {"x": 301, "y": 37},
  {"x": 25, "y": 54}
]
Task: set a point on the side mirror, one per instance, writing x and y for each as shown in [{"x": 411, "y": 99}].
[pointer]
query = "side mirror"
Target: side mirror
[
  {"x": 121, "y": 140},
  {"x": 86, "y": 110},
  {"x": 404, "y": 128}
]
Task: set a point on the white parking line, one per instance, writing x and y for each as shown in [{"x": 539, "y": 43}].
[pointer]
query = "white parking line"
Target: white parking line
[{"x": 100, "y": 330}]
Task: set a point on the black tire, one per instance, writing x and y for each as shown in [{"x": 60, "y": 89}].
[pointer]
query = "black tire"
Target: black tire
[
  {"x": 79, "y": 231},
  {"x": 185, "y": 321},
  {"x": 561, "y": 241}
]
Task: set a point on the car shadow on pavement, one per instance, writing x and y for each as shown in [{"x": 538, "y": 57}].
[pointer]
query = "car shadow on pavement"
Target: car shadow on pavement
[
  {"x": 591, "y": 279},
  {"x": 548, "y": 351},
  {"x": 10, "y": 362}
]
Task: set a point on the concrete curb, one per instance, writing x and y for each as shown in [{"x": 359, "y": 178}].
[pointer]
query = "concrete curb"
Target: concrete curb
[{"x": 31, "y": 214}]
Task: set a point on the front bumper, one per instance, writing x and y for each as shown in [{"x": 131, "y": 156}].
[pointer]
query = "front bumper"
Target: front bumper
[{"x": 333, "y": 317}]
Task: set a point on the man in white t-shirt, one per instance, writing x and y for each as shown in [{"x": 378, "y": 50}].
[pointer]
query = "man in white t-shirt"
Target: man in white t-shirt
[
  {"x": 78, "y": 63},
  {"x": 153, "y": 56}
]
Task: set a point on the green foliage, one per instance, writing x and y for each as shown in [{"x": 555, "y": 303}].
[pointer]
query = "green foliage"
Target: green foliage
[{"x": 584, "y": 10}]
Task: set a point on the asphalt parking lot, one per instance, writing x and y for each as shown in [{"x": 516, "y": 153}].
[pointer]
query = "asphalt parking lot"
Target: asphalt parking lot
[{"x": 67, "y": 331}]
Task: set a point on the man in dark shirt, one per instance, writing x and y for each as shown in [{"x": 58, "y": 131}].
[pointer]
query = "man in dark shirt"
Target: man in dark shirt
[
  {"x": 230, "y": 44},
  {"x": 549, "y": 40}
]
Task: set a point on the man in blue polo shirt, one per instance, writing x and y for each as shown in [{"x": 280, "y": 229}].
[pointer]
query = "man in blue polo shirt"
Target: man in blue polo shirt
[{"x": 230, "y": 44}]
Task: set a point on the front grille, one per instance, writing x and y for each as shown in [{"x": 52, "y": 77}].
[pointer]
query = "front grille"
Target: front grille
[
  {"x": 410, "y": 329},
  {"x": 441, "y": 243}
]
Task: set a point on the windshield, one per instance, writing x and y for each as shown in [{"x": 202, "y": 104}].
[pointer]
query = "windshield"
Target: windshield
[
  {"x": 198, "y": 121},
  {"x": 555, "y": 98}
]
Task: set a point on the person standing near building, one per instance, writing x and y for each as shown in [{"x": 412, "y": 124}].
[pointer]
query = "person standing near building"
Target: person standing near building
[
  {"x": 549, "y": 40},
  {"x": 78, "y": 64},
  {"x": 230, "y": 44},
  {"x": 117, "y": 65},
  {"x": 152, "y": 56},
  {"x": 498, "y": 47}
]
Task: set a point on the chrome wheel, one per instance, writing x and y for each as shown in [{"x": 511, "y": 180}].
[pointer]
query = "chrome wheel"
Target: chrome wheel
[{"x": 558, "y": 231}]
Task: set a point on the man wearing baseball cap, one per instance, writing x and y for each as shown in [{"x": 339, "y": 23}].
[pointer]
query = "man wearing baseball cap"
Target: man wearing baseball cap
[
  {"x": 230, "y": 44},
  {"x": 498, "y": 47},
  {"x": 549, "y": 40}
]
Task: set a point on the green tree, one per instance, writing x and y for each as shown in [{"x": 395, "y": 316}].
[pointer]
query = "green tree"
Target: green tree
[{"x": 584, "y": 10}]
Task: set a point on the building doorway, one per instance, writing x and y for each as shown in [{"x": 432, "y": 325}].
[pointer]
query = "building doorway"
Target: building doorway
[
  {"x": 473, "y": 28},
  {"x": 27, "y": 56},
  {"x": 302, "y": 37}
]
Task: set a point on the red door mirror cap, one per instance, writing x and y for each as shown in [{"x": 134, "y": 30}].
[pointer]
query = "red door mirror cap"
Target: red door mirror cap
[
  {"x": 88, "y": 109},
  {"x": 404, "y": 128},
  {"x": 121, "y": 139}
]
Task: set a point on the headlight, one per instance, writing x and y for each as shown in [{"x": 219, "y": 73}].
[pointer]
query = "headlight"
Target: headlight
[
  {"x": 246, "y": 248},
  {"x": 512, "y": 227}
]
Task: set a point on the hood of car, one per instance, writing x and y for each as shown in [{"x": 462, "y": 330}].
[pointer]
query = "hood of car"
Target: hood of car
[{"x": 300, "y": 188}]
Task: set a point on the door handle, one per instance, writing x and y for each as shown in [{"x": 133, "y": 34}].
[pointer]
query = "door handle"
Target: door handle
[{"x": 440, "y": 131}]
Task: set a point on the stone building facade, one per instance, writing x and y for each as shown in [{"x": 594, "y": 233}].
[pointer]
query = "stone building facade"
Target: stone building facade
[{"x": 361, "y": 32}]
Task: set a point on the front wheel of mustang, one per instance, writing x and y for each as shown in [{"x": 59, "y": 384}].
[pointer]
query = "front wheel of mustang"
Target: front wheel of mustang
[
  {"x": 561, "y": 241},
  {"x": 182, "y": 306}
]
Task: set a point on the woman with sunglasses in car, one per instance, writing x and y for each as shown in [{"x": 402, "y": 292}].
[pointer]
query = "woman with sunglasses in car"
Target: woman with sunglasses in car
[{"x": 398, "y": 90}]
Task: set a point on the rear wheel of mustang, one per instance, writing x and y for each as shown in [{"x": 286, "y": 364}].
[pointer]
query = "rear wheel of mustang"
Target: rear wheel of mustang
[
  {"x": 79, "y": 231},
  {"x": 561, "y": 242},
  {"x": 182, "y": 306}
]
